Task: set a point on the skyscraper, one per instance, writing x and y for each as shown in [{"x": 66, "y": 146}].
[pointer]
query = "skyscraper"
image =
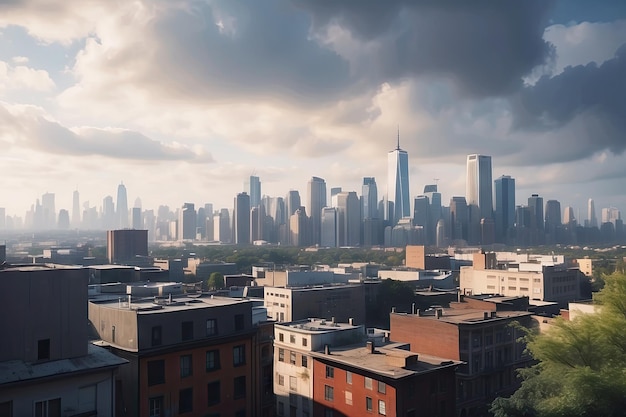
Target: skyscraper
[
  {"x": 109, "y": 221},
  {"x": 122, "y": 207},
  {"x": 458, "y": 218},
  {"x": 369, "y": 198},
  {"x": 421, "y": 214},
  {"x": 504, "y": 207},
  {"x": 49, "y": 215},
  {"x": 75, "y": 209},
  {"x": 348, "y": 219},
  {"x": 591, "y": 214},
  {"x": 316, "y": 196},
  {"x": 535, "y": 205},
  {"x": 552, "y": 220},
  {"x": 241, "y": 219},
  {"x": 478, "y": 191},
  {"x": 187, "y": 222},
  {"x": 328, "y": 236},
  {"x": 397, "y": 205},
  {"x": 253, "y": 188}
]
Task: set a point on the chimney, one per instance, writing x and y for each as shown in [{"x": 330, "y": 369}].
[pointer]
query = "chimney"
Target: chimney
[
  {"x": 369, "y": 345},
  {"x": 413, "y": 308},
  {"x": 393, "y": 309},
  {"x": 351, "y": 321},
  {"x": 129, "y": 301},
  {"x": 438, "y": 313},
  {"x": 327, "y": 349},
  {"x": 332, "y": 320}
]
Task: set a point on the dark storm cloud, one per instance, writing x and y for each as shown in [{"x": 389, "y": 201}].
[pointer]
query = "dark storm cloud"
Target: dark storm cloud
[
  {"x": 591, "y": 93},
  {"x": 485, "y": 47}
]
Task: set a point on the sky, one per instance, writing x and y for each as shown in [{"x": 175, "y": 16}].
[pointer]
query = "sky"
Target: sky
[{"x": 182, "y": 100}]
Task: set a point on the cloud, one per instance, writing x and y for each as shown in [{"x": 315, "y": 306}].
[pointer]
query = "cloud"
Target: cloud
[
  {"x": 22, "y": 77},
  {"x": 591, "y": 97},
  {"x": 31, "y": 126}
]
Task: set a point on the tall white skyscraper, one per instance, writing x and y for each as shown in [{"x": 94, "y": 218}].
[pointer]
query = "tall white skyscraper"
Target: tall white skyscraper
[
  {"x": 316, "y": 200},
  {"x": 75, "y": 209},
  {"x": 591, "y": 214},
  {"x": 397, "y": 205},
  {"x": 122, "y": 207},
  {"x": 478, "y": 186}
]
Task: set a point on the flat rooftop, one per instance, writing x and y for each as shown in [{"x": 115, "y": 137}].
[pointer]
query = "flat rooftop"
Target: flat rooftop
[
  {"x": 471, "y": 316},
  {"x": 381, "y": 361},
  {"x": 160, "y": 305},
  {"x": 19, "y": 371},
  {"x": 312, "y": 325}
]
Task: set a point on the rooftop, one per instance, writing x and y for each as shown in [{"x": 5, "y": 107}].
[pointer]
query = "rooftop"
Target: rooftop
[
  {"x": 157, "y": 305},
  {"x": 19, "y": 371},
  {"x": 318, "y": 325},
  {"x": 392, "y": 360},
  {"x": 470, "y": 316}
]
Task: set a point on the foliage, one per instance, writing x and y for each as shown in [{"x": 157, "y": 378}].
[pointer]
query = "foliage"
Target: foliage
[
  {"x": 582, "y": 364},
  {"x": 391, "y": 293},
  {"x": 215, "y": 281}
]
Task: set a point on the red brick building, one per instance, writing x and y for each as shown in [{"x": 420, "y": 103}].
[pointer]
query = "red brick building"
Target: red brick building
[
  {"x": 387, "y": 380},
  {"x": 473, "y": 332}
]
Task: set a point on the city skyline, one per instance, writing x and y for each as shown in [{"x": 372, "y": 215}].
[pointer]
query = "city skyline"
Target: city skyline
[{"x": 83, "y": 106}]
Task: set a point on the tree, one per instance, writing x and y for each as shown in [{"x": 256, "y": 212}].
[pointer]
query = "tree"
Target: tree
[
  {"x": 215, "y": 281},
  {"x": 581, "y": 369}
]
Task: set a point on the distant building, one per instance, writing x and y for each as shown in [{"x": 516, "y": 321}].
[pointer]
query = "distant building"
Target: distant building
[
  {"x": 398, "y": 200},
  {"x": 47, "y": 365},
  {"x": 504, "y": 208},
  {"x": 316, "y": 194},
  {"x": 187, "y": 222},
  {"x": 241, "y": 219},
  {"x": 124, "y": 246}
]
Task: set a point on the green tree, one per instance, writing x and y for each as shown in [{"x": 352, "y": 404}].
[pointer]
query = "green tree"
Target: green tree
[
  {"x": 581, "y": 369},
  {"x": 215, "y": 281}
]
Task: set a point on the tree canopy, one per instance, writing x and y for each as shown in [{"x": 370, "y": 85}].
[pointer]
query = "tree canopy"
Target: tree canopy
[
  {"x": 581, "y": 369},
  {"x": 215, "y": 281}
]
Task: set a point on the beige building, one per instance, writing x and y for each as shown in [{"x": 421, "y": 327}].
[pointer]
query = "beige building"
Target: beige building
[
  {"x": 586, "y": 266},
  {"x": 534, "y": 280}
]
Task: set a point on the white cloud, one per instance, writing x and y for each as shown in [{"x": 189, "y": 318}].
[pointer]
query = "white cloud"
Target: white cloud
[{"x": 21, "y": 77}]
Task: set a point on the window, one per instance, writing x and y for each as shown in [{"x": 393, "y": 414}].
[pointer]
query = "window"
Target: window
[
  {"x": 382, "y": 387},
  {"x": 281, "y": 409},
  {"x": 348, "y": 398},
  {"x": 292, "y": 338},
  {"x": 382, "y": 408},
  {"x": 330, "y": 372},
  {"x": 239, "y": 387},
  {"x": 305, "y": 341},
  {"x": 281, "y": 355},
  {"x": 43, "y": 349},
  {"x": 329, "y": 393},
  {"x": 293, "y": 399},
  {"x": 48, "y": 408},
  {"x": 292, "y": 358},
  {"x": 6, "y": 409},
  {"x": 281, "y": 379},
  {"x": 239, "y": 323},
  {"x": 281, "y": 337},
  {"x": 213, "y": 392},
  {"x": 211, "y": 327},
  {"x": 293, "y": 383},
  {"x": 212, "y": 360},
  {"x": 368, "y": 403},
  {"x": 305, "y": 361},
  {"x": 155, "y": 407},
  {"x": 186, "y": 330},
  {"x": 185, "y": 400},
  {"x": 156, "y": 336},
  {"x": 368, "y": 383},
  {"x": 349, "y": 377},
  {"x": 239, "y": 355},
  {"x": 185, "y": 366},
  {"x": 156, "y": 372}
]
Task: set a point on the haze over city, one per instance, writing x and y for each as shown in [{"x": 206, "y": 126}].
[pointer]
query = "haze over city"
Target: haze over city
[{"x": 184, "y": 100}]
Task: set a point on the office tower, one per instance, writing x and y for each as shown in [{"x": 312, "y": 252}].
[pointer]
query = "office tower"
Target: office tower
[
  {"x": 316, "y": 195},
  {"x": 568, "y": 216},
  {"x": 459, "y": 218},
  {"x": 333, "y": 196},
  {"x": 553, "y": 214},
  {"x": 369, "y": 198},
  {"x": 207, "y": 221},
  {"x": 257, "y": 222},
  {"x": 64, "y": 219},
  {"x": 535, "y": 205},
  {"x": 3, "y": 218},
  {"x": 122, "y": 207},
  {"x": 253, "y": 188},
  {"x": 348, "y": 219},
  {"x": 241, "y": 219},
  {"x": 149, "y": 224},
  {"x": 504, "y": 207},
  {"x": 421, "y": 214},
  {"x": 137, "y": 221},
  {"x": 397, "y": 205},
  {"x": 440, "y": 241},
  {"x": 292, "y": 202},
  {"x": 123, "y": 246},
  {"x": 299, "y": 227},
  {"x": 610, "y": 215},
  {"x": 221, "y": 226},
  {"x": 434, "y": 196},
  {"x": 478, "y": 192},
  {"x": 108, "y": 213},
  {"x": 328, "y": 238},
  {"x": 75, "y": 209},
  {"x": 187, "y": 222},
  {"x": 48, "y": 211},
  {"x": 592, "y": 220}
]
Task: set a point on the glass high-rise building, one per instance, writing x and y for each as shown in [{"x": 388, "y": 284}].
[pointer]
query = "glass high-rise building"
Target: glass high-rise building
[
  {"x": 253, "y": 188},
  {"x": 241, "y": 219},
  {"x": 122, "y": 207},
  {"x": 316, "y": 194},
  {"x": 504, "y": 207},
  {"x": 478, "y": 191},
  {"x": 397, "y": 205},
  {"x": 592, "y": 220},
  {"x": 369, "y": 198}
]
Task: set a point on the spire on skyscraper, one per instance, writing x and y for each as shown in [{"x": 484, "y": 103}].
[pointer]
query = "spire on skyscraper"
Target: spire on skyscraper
[{"x": 398, "y": 146}]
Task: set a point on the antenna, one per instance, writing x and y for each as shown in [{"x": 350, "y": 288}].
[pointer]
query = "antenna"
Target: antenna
[
  {"x": 398, "y": 147},
  {"x": 436, "y": 181}
]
